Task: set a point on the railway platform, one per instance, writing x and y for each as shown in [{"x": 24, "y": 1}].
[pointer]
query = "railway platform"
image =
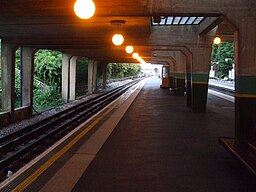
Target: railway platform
[{"x": 155, "y": 144}]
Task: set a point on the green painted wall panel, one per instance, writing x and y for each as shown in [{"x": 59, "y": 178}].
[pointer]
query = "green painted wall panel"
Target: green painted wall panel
[
  {"x": 246, "y": 84},
  {"x": 200, "y": 77}
]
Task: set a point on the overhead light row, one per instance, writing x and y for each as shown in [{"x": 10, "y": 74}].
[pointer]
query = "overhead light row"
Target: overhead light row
[
  {"x": 129, "y": 49},
  {"x": 85, "y": 9}
]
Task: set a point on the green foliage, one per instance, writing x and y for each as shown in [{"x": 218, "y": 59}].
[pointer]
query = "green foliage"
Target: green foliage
[
  {"x": 46, "y": 98},
  {"x": 17, "y": 58},
  {"x": 17, "y": 81},
  {"x": 120, "y": 70},
  {"x": 214, "y": 52},
  {"x": 82, "y": 76},
  {"x": 47, "y": 70},
  {"x": 48, "y": 67},
  {"x": 17, "y": 88},
  {"x": 224, "y": 55},
  {"x": 82, "y": 69}
]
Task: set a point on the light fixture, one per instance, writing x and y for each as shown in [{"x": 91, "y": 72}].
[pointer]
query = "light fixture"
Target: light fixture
[
  {"x": 117, "y": 38},
  {"x": 217, "y": 40},
  {"x": 135, "y": 55},
  {"x": 141, "y": 60},
  {"x": 129, "y": 49},
  {"x": 84, "y": 9}
]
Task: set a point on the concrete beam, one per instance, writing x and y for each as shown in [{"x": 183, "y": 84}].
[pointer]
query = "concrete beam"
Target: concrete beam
[
  {"x": 173, "y": 35},
  {"x": 126, "y": 8},
  {"x": 208, "y": 24}
]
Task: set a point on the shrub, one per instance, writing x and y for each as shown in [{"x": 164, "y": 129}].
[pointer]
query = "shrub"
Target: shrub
[{"x": 47, "y": 98}]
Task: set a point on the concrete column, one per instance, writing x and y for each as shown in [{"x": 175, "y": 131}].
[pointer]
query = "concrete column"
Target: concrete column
[
  {"x": 104, "y": 75},
  {"x": 27, "y": 58},
  {"x": 8, "y": 76},
  {"x": 95, "y": 72},
  {"x": 245, "y": 80},
  {"x": 72, "y": 76},
  {"x": 65, "y": 76},
  {"x": 90, "y": 76},
  {"x": 201, "y": 57},
  {"x": 171, "y": 74},
  {"x": 188, "y": 79},
  {"x": 180, "y": 74}
]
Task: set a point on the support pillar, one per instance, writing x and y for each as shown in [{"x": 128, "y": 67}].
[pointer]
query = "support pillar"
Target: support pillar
[
  {"x": 65, "y": 76},
  {"x": 243, "y": 146},
  {"x": 180, "y": 74},
  {"x": 95, "y": 72},
  {"x": 180, "y": 83},
  {"x": 90, "y": 76},
  {"x": 171, "y": 73},
  {"x": 8, "y": 77},
  {"x": 72, "y": 83},
  {"x": 172, "y": 85},
  {"x": 200, "y": 75},
  {"x": 104, "y": 75},
  {"x": 188, "y": 79},
  {"x": 27, "y": 77},
  {"x": 245, "y": 82}
]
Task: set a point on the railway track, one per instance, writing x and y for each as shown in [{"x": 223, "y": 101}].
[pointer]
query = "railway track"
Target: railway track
[
  {"x": 20, "y": 147},
  {"x": 223, "y": 90}
]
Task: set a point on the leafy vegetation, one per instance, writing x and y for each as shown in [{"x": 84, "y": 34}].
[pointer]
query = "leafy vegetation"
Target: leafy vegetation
[
  {"x": 45, "y": 98},
  {"x": 223, "y": 54},
  {"x": 48, "y": 67},
  {"x": 82, "y": 76},
  {"x": 120, "y": 70},
  {"x": 47, "y": 77}
]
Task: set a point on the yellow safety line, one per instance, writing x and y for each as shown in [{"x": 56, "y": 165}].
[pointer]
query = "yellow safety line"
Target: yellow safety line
[
  {"x": 182, "y": 78},
  {"x": 245, "y": 95},
  {"x": 28, "y": 181},
  {"x": 204, "y": 83}
]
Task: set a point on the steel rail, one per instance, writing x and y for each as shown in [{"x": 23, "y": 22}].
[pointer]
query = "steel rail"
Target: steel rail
[{"x": 41, "y": 131}]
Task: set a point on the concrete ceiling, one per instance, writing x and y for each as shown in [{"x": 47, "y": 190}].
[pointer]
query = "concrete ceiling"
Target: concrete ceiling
[{"x": 52, "y": 24}]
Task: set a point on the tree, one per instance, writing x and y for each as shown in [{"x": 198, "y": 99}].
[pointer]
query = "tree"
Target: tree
[
  {"x": 225, "y": 58},
  {"x": 120, "y": 70},
  {"x": 223, "y": 54},
  {"x": 48, "y": 67}
]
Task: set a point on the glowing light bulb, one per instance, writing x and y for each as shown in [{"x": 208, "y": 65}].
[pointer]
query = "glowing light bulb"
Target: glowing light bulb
[
  {"x": 118, "y": 39},
  {"x": 135, "y": 55},
  {"x": 216, "y": 40},
  {"x": 129, "y": 49},
  {"x": 84, "y": 9}
]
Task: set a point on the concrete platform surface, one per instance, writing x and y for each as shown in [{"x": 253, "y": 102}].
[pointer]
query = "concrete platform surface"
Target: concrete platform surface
[{"x": 161, "y": 146}]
